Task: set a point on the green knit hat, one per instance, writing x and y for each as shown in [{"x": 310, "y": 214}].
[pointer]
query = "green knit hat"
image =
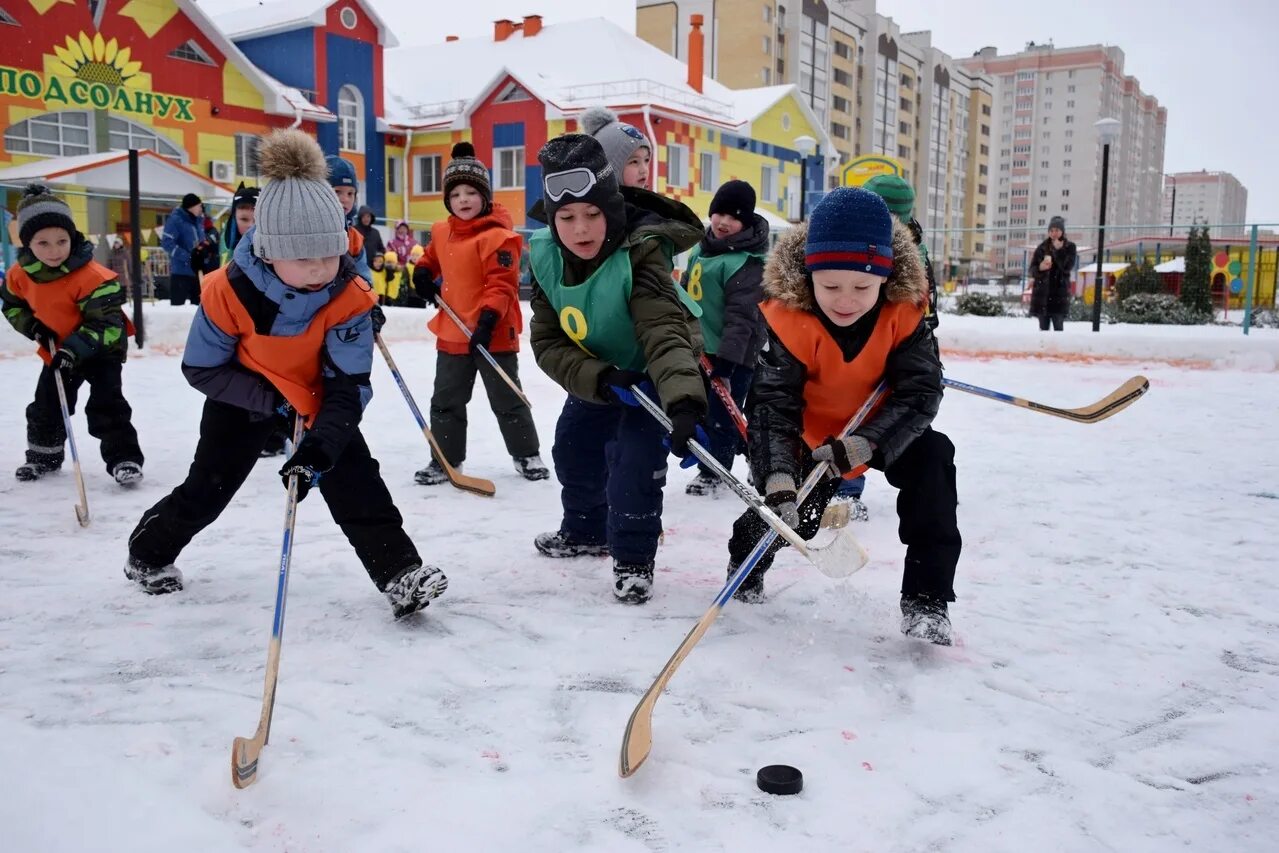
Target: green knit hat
[{"x": 896, "y": 192}]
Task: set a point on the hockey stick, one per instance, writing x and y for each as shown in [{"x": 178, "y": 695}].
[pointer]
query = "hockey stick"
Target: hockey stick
[
  {"x": 833, "y": 560},
  {"x": 81, "y": 508},
  {"x": 475, "y": 485},
  {"x": 488, "y": 356},
  {"x": 1116, "y": 401},
  {"x": 245, "y": 751},
  {"x": 637, "y": 740},
  {"x": 725, "y": 394}
]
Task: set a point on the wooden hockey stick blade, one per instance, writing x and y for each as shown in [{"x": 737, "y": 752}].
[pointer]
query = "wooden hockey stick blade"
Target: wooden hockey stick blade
[
  {"x": 245, "y": 751},
  {"x": 474, "y": 485},
  {"x": 1116, "y": 401}
]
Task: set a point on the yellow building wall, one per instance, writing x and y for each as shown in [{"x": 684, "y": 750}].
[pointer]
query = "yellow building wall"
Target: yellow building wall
[{"x": 425, "y": 208}]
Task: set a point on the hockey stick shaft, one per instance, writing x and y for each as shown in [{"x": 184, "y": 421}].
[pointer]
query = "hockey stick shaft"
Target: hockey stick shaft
[
  {"x": 725, "y": 394},
  {"x": 488, "y": 356},
  {"x": 475, "y": 485},
  {"x": 245, "y": 752},
  {"x": 81, "y": 508},
  {"x": 637, "y": 740},
  {"x": 1114, "y": 402}
]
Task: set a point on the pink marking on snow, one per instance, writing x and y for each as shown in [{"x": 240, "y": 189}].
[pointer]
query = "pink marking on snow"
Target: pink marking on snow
[
  {"x": 847, "y": 735},
  {"x": 849, "y": 668},
  {"x": 1249, "y": 797},
  {"x": 491, "y": 753},
  {"x": 866, "y": 765}
]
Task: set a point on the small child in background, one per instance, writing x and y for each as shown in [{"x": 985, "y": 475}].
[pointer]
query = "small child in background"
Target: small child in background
[
  {"x": 386, "y": 283},
  {"x": 239, "y": 220},
  {"x": 342, "y": 179},
  {"x": 58, "y": 295}
]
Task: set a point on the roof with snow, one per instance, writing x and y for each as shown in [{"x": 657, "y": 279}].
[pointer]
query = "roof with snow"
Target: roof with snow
[
  {"x": 570, "y": 67},
  {"x": 245, "y": 19}
]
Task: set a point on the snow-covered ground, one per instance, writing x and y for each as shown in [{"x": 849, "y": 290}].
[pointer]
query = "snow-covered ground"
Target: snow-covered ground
[{"x": 1114, "y": 685}]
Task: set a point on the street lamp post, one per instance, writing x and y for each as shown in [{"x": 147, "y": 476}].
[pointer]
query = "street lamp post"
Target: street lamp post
[
  {"x": 1108, "y": 130},
  {"x": 806, "y": 145},
  {"x": 1172, "y": 211}
]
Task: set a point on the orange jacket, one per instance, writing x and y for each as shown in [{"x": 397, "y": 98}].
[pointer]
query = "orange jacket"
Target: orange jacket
[
  {"x": 480, "y": 262},
  {"x": 835, "y": 389},
  {"x": 57, "y": 303},
  {"x": 291, "y": 364}
]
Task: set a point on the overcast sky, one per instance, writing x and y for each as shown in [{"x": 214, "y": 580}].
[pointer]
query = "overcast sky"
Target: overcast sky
[{"x": 1212, "y": 63}]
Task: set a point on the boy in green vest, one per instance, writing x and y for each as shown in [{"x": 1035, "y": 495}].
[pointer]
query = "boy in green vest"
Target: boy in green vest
[
  {"x": 608, "y": 316},
  {"x": 725, "y": 276}
]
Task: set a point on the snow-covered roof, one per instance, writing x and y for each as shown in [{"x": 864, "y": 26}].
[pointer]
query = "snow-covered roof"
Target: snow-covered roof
[
  {"x": 107, "y": 172},
  {"x": 570, "y": 66},
  {"x": 278, "y": 99},
  {"x": 1116, "y": 266},
  {"x": 1174, "y": 265},
  {"x": 245, "y": 19}
]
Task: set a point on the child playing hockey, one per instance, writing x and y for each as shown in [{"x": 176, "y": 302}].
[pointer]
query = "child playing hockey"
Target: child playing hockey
[
  {"x": 607, "y": 316},
  {"x": 341, "y": 174},
  {"x": 845, "y": 309},
  {"x": 287, "y": 324},
  {"x": 628, "y": 150},
  {"x": 58, "y": 295},
  {"x": 725, "y": 275},
  {"x": 478, "y": 255}
]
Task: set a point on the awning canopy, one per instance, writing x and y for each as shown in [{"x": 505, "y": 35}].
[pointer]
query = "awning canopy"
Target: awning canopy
[
  {"x": 1174, "y": 265},
  {"x": 107, "y": 174},
  {"x": 1106, "y": 268}
]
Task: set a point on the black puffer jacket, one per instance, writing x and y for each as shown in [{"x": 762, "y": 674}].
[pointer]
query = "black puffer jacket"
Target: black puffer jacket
[
  {"x": 775, "y": 407},
  {"x": 1051, "y": 292},
  {"x": 373, "y": 242},
  {"x": 744, "y": 328}
]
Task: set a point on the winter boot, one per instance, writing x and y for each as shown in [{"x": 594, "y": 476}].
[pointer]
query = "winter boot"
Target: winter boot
[
  {"x": 531, "y": 467},
  {"x": 127, "y": 473},
  {"x": 414, "y": 588},
  {"x": 705, "y": 483},
  {"x": 154, "y": 580},
  {"x": 926, "y": 618},
  {"x": 558, "y": 545},
  {"x": 752, "y": 589},
  {"x": 39, "y": 463},
  {"x": 632, "y": 582},
  {"x": 433, "y": 474}
]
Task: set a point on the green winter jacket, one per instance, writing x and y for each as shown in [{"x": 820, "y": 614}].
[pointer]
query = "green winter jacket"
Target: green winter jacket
[{"x": 669, "y": 335}]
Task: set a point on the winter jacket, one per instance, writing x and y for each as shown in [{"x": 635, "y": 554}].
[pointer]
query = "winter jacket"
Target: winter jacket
[
  {"x": 479, "y": 260},
  {"x": 743, "y": 326},
  {"x": 256, "y": 341},
  {"x": 656, "y": 229},
  {"x": 183, "y": 231},
  {"x": 373, "y": 242},
  {"x": 80, "y": 301},
  {"x": 386, "y": 283},
  {"x": 402, "y": 247},
  {"x": 1051, "y": 291},
  {"x": 793, "y": 400}
]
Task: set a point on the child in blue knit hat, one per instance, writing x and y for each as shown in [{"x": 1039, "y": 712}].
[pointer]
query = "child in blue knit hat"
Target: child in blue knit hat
[{"x": 845, "y": 297}]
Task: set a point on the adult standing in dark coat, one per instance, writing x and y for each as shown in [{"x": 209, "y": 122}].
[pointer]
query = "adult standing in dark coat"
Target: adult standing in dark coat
[{"x": 1053, "y": 262}]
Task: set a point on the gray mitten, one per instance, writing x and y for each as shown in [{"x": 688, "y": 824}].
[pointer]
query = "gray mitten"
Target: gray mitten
[
  {"x": 779, "y": 494},
  {"x": 844, "y": 454}
]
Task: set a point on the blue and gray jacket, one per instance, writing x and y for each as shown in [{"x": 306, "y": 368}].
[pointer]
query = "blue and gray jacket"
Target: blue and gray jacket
[{"x": 182, "y": 231}]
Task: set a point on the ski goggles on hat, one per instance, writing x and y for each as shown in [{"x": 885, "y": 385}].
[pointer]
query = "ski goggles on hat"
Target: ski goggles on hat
[{"x": 575, "y": 182}]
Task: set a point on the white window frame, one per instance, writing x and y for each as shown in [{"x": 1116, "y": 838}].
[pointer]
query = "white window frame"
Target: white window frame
[
  {"x": 141, "y": 137},
  {"x": 25, "y": 142},
  {"x": 512, "y": 157},
  {"x": 768, "y": 184},
  {"x": 676, "y": 165},
  {"x": 189, "y": 51},
  {"x": 419, "y": 186},
  {"x": 246, "y": 155},
  {"x": 350, "y": 119},
  {"x": 392, "y": 173},
  {"x": 707, "y": 179}
]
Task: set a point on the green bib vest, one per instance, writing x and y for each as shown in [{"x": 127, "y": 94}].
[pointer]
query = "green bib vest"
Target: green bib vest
[
  {"x": 705, "y": 282},
  {"x": 596, "y": 313}
]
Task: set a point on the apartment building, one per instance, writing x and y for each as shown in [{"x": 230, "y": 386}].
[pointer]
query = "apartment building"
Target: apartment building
[
  {"x": 1216, "y": 198},
  {"x": 1047, "y": 153}
]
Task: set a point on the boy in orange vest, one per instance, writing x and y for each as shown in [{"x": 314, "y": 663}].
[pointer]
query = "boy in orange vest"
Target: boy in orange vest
[
  {"x": 286, "y": 325},
  {"x": 845, "y": 297},
  {"x": 57, "y": 294},
  {"x": 478, "y": 255}
]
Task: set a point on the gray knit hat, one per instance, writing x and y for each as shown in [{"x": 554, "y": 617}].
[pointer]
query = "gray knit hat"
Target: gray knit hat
[
  {"x": 298, "y": 214},
  {"x": 618, "y": 139},
  {"x": 40, "y": 208}
]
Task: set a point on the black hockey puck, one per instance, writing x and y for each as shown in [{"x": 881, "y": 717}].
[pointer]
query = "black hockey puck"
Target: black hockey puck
[{"x": 779, "y": 779}]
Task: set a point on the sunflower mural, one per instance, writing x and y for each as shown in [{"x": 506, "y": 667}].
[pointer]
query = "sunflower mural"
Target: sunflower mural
[{"x": 96, "y": 60}]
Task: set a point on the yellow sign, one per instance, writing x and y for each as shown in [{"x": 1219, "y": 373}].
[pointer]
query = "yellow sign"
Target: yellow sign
[{"x": 861, "y": 169}]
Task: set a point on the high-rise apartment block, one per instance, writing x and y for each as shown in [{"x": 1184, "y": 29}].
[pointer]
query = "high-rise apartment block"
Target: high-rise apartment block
[
  {"x": 1216, "y": 198},
  {"x": 1047, "y": 156}
]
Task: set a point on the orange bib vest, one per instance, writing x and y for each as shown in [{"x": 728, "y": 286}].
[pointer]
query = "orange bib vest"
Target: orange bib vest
[
  {"x": 57, "y": 303},
  {"x": 835, "y": 389},
  {"x": 354, "y": 242},
  {"x": 291, "y": 364},
  {"x": 462, "y": 268}
]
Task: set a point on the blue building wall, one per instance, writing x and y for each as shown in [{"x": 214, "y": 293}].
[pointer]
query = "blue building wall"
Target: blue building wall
[
  {"x": 350, "y": 63},
  {"x": 288, "y": 57}
]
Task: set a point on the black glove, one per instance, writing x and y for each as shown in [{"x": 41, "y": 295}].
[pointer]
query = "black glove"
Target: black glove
[
  {"x": 63, "y": 359},
  {"x": 424, "y": 284},
  {"x": 615, "y": 385},
  {"x": 483, "y": 334},
  {"x": 43, "y": 335},
  {"x": 308, "y": 462},
  {"x": 722, "y": 368},
  {"x": 686, "y": 418},
  {"x": 378, "y": 318}
]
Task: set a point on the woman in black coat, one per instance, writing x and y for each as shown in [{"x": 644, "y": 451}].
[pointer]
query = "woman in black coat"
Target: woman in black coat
[{"x": 1053, "y": 262}]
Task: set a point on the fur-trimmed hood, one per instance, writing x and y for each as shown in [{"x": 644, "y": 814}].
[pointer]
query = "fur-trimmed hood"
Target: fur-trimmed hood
[{"x": 786, "y": 278}]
